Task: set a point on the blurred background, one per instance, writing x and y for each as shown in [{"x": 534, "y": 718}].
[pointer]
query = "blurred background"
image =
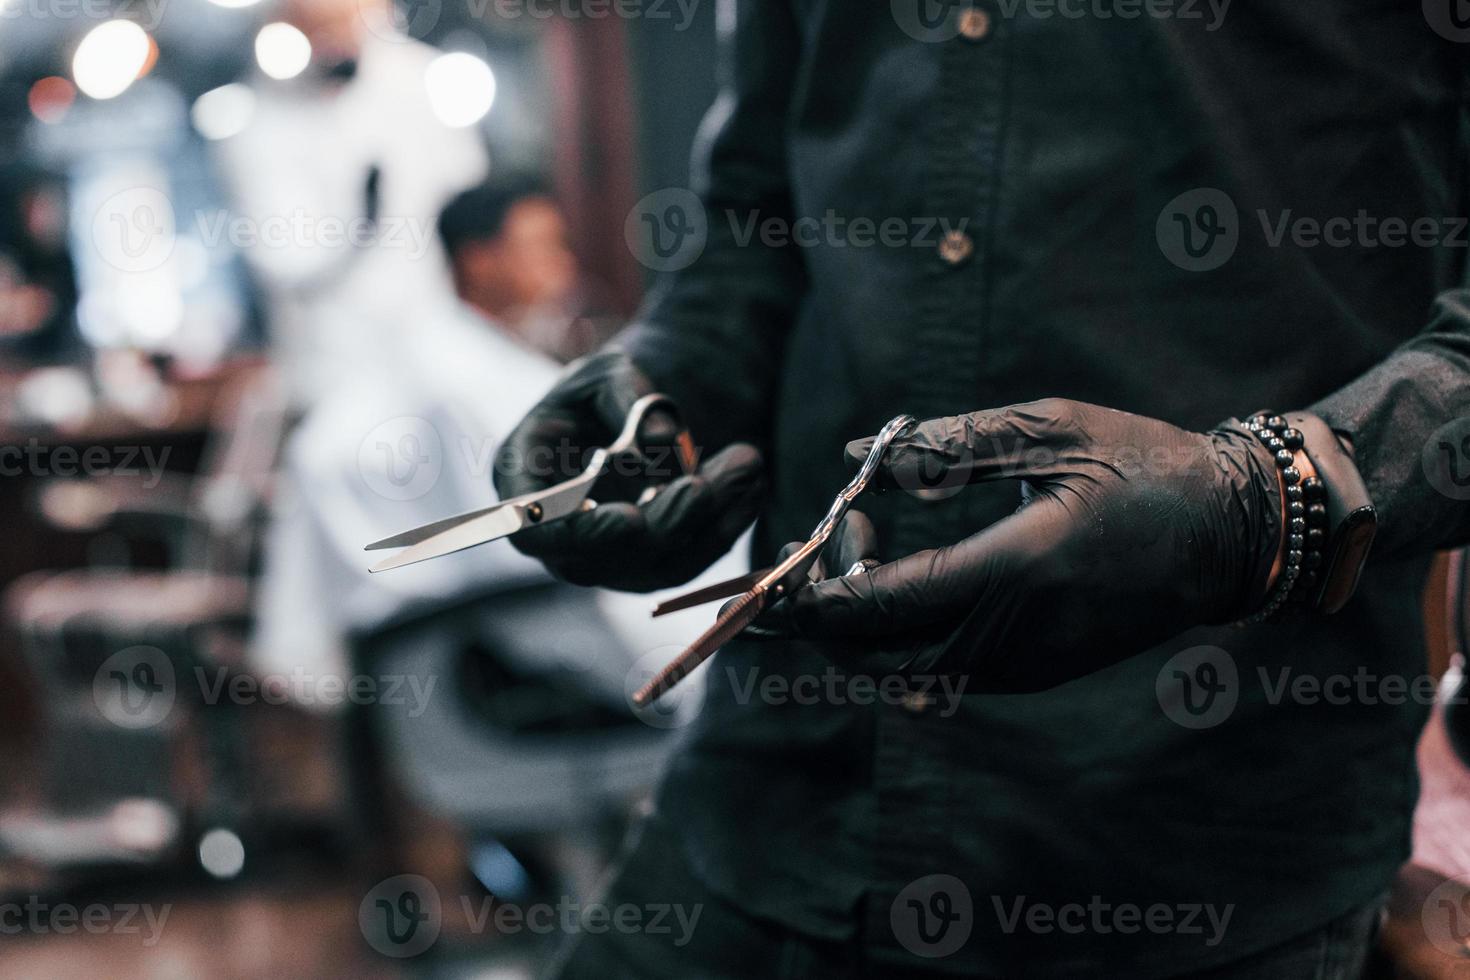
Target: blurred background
[{"x": 276, "y": 278}]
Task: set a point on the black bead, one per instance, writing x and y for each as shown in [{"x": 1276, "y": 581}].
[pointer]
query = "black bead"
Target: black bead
[
  {"x": 1313, "y": 488},
  {"x": 1312, "y": 559},
  {"x": 1317, "y": 513},
  {"x": 1275, "y": 443},
  {"x": 1297, "y": 542},
  {"x": 1291, "y": 475},
  {"x": 1298, "y": 525},
  {"x": 1293, "y": 493},
  {"x": 1275, "y": 422},
  {"x": 1296, "y": 508},
  {"x": 1293, "y": 438},
  {"x": 1309, "y": 580},
  {"x": 1284, "y": 458},
  {"x": 1316, "y": 537},
  {"x": 1294, "y": 557}
]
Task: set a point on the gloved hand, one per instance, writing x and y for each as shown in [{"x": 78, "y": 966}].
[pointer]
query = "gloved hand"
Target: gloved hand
[
  {"x": 1131, "y": 530},
  {"x": 691, "y": 521}
]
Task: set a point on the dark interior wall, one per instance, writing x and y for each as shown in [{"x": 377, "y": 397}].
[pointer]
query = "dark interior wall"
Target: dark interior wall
[{"x": 672, "y": 56}]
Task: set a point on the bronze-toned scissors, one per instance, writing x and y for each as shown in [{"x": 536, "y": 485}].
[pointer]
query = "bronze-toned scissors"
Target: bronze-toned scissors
[
  {"x": 569, "y": 497},
  {"x": 757, "y": 589}
]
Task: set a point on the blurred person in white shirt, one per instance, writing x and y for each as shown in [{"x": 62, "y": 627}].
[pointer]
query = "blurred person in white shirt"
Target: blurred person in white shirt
[
  {"x": 414, "y": 442},
  {"x": 337, "y": 179}
]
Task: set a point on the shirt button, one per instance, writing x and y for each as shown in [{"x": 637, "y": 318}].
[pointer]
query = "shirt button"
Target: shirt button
[
  {"x": 956, "y": 247},
  {"x": 975, "y": 24},
  {"x": 916, "y": 702}
]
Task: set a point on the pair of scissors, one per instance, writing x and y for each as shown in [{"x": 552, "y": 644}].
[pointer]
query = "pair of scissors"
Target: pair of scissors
[
  {"x": 554, "y": 503},
  {"x": 758, "y": 589}
]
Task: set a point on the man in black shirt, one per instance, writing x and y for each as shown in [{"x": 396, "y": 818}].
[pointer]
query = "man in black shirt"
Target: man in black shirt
[{"x": 1001, "y": 216}]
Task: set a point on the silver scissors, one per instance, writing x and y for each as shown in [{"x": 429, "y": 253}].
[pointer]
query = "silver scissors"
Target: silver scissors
[
  {"x": 756, "y": 589},
  {"x": 569, "y": 497}
]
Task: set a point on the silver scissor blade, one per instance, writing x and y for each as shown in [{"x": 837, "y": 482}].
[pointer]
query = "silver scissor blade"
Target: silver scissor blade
[
  {"x": 508, "y": 517},
  {"x": 497, "y": 523},
  {"x": 423, "y": 533}
]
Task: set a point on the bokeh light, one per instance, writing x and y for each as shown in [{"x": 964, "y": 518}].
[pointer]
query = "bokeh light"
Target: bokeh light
[
  {"x": 461, "y": 88},
  {"x": 110, "y": 58},
  {"x": 282, "y": 51}
]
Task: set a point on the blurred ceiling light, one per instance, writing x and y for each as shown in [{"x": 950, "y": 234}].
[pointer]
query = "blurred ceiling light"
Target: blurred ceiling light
[
  {"x": 110, "y": 58},
  {"x": 50, "y": 98},
  {"x": 461, "y": 88},
  {"x": 282, "y": 51},
  {"x": 222, "y": 112}
]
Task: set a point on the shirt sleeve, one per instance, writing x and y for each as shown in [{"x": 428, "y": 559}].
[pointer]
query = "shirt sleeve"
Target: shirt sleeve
[
  {"x": 712, "y": 333},
  {"x": 1409, "y": 422}
]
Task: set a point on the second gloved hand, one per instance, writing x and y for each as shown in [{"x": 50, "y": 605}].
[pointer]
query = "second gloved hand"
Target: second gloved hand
[
  {"x": 664, "y": 541},
  {"x": 1132, "y": 530}
]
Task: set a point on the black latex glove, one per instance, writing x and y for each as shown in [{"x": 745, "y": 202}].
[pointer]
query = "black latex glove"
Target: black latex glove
[
  {"x": 665, "y": 541},
  {"x": 1131, "y": 530}
]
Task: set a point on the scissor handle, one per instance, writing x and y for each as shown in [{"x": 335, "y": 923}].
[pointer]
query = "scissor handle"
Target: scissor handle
[
  {"x": 628, "y": 440},
  {"x": 801, "y": 560}
]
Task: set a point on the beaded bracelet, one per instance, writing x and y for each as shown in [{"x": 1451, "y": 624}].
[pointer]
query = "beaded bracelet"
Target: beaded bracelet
[{"x": 1306, "y": 514}]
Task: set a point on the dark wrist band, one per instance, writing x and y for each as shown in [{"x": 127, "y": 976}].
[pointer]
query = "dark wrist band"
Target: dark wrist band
[
  {"x": 1330, "y": 518},
  {"x": 1305, "y": 535},
  {"x": 1351, "y": 518}
]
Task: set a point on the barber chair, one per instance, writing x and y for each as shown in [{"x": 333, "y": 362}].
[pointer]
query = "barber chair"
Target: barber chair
[{"x": 115, "y": 649}]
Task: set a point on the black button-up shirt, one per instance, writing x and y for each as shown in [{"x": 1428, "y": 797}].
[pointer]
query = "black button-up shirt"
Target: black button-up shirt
[{"x": 1180, "y": 209}]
